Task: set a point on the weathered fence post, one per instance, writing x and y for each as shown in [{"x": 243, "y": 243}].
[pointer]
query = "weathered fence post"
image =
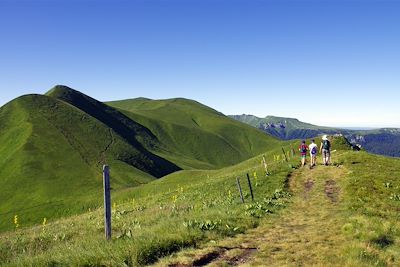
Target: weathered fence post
[
  {"x": 292, "y": 150},
  {"x": 251, "y": 189},
  {"x": 265, "y": 166},
  {"x": 284, "y": 153},
  {"x": 107, "y": 201},
  {"x": 240, "y": 189}
]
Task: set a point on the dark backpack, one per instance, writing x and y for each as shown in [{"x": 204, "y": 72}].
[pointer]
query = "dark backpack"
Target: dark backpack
[
  {"x": 326, "y": 144},
  {"x": 314, "y": 150},
  {"x": 303, "y": 148}
]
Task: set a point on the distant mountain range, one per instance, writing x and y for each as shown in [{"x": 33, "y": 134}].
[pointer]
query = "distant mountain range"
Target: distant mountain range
[{"x": 385, "y": 141}]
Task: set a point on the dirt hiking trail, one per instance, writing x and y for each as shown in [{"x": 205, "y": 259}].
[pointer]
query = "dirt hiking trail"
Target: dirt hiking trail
[{"x": 306, "y": 233}]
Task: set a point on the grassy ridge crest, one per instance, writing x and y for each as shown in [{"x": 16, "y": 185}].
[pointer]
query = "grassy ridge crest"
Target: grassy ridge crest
[{"x": 55, "y": 146}]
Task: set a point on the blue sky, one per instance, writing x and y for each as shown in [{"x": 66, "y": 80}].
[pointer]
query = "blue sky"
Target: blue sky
[{"x": 334, "y": 63}]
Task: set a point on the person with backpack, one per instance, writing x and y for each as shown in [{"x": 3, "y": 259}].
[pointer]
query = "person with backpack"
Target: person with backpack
[
  {"x": 326, "y": 150},
  {"x": 313, "y": 152},
  {"x": 303, "y": 152}
]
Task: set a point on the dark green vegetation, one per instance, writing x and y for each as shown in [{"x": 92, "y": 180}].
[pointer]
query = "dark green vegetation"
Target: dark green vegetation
[
  {"x": 53, "y": 147},
  {"x": 385, "y": 141}
]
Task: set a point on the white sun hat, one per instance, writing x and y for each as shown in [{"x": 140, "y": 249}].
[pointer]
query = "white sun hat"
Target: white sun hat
[{"x": 324, "y": 137}]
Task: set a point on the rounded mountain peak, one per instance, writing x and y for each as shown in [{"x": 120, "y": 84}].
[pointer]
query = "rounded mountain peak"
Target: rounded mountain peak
[{"x": 59, "y": 90}]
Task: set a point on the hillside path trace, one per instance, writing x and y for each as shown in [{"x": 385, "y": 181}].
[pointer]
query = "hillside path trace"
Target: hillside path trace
[{"x": 306, "y": 233}]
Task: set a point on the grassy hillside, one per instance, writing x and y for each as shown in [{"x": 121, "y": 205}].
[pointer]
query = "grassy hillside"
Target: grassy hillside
[
  {"x": 183, "y": 209},
  {"x": 50, "y": 163},
  {"x": 54, "y": 146},
  {"x": 342, "y": 215},
  {"x": 194, "y": 135}
]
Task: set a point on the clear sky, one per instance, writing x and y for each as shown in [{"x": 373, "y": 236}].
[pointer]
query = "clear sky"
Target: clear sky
[{"x": 334, "y": 63}]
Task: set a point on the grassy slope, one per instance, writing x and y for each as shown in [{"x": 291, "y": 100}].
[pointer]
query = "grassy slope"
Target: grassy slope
[
  {"x": 137, "y": 136},
  {"x": 190, "y": 208},
  {"x": 50, "y": 163},
  {"x": 343, "y": 215},
  {"x": 195, "y": 135},
  {"x": 183, "y": 209}
]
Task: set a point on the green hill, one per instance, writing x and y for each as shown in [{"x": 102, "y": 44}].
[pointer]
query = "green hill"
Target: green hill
[
  {"x": 50, "y": 161},
  {"x": 345, "y": 214},
  {"x": 194, "y": 135},
  {"x": 179, "y": 210},
  {"x": 54, "y": 146}
]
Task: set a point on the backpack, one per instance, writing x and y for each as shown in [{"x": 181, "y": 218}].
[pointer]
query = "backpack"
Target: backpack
[
  {"x": 326, "y": 144},
  {"x": 303, "y": 148},
  {"x": 314, "y": 150}
]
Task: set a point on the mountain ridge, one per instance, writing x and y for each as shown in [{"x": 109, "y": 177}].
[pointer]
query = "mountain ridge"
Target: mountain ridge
[
  {"x": 382, "y": 141},
  {"x": 54, "y": 146}
]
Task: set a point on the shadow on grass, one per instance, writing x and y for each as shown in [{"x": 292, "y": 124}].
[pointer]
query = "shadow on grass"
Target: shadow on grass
[{"x": 383, "y": 241}]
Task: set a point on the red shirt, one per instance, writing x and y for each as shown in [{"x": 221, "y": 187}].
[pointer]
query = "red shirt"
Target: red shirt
[{"x": 303, "y": 149}]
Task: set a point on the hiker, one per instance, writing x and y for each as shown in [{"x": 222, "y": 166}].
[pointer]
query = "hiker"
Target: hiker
[
  {"x": 303, "y": 152},
  {"x": 313, "y": 152},
  {"x": 326, "y": 150}
]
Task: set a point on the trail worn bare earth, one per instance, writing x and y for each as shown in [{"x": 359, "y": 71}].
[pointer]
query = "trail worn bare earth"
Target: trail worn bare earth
[{"x": 307, "y": 233}]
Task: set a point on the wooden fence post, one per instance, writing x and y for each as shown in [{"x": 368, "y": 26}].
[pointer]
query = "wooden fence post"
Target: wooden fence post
[
  {"x": 107, "y": 202},
  {"x": 284, "y": 153},
  {"x": 251, "y": 189},
  {"x": 240, "y": 189},
  {"x": 265, "y": 166}
]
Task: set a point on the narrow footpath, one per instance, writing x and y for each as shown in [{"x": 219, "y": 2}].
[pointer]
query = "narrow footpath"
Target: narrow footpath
[{"x": 306, "y": 233}]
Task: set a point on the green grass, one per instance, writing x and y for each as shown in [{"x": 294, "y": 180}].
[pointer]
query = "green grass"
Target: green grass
[
  {"x": 199, "y": 211},
  {"x": 184, "y": 209},
  {"x": 51, "y": 164},
  {"x": 358, "y": 225},
  {"x": 373, "y": 218},
  {"x": 189, "y": 129},
  {"x": 54, "y": 146}
]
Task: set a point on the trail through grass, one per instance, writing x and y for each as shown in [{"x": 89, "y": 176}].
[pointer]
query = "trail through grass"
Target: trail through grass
[
  {"x": 305, "y": 234},
  {"x": 346, "y": 214},
  {"x": 309, "y": 233},
  {"x": 319, "y": 228}
]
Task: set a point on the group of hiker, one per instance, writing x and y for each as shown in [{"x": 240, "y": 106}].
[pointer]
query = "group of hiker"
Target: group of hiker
[{"x": 324, "y": 148}]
